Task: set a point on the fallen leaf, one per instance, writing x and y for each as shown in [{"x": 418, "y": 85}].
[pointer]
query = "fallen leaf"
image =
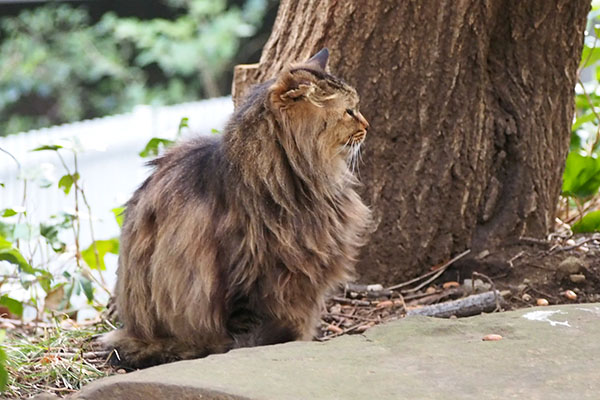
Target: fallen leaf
[
  {"x": 450, "y": 284},
  {"x": 334, "y": 329}
]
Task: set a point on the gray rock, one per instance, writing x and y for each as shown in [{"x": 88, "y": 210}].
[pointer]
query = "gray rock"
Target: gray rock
[
  {"x": 570, "y": 265},
  {"x": 545, "y": 353}
]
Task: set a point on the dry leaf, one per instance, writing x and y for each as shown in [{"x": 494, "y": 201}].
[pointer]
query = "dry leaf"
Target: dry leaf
[
  {"x": 334, "y": 329},
  {"x": 385, "y": 304},
  {"x": 450, "y": 284}
]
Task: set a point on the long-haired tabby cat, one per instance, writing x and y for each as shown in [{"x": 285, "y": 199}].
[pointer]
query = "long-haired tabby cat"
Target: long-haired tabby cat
[{"x": 234, "y": 241}]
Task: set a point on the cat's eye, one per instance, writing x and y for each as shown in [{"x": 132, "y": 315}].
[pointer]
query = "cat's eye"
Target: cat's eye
[{"x": 350, "y": 112}]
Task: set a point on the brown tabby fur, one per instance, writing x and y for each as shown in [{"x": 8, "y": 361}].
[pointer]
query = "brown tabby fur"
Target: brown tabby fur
[{"x": 234, "y": 241}]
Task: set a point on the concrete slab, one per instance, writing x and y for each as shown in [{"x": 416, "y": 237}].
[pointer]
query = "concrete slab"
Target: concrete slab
[{"x": 545, "y": 353}]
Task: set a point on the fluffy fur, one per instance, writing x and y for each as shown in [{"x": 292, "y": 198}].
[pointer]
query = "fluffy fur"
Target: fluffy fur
[{"x": 235, "y": 241}]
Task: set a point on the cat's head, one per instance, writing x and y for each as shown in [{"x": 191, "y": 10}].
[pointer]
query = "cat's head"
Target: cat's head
[{"x": 319, "y": 111}]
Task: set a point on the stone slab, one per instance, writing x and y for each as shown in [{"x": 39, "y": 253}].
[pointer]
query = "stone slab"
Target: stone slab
[{"x": 545, "y": 353}]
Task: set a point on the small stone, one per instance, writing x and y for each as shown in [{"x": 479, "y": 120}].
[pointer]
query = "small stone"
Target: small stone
[
  {"x": 521, "y": 287},
  {"x": 542, "y": 302},
  {"x": 491, "y": 338},
  {"x": 334, "y": 329},
  {"x": 430, "y": 290},
  {"x": 476, "y": 286},
  {"x": 577, "y": 278},
  {"x": 570, "y": 242},
  {"x": 569, "y": 294},
  {"x": 335, "y": 309},
  {"x": 526, "y": 281},
  {"x": 571, "y": 265},
  {"x": 121, "y": 371},
  {"x": 526, "y": 297},
  {"x": 483, "y": 254}
]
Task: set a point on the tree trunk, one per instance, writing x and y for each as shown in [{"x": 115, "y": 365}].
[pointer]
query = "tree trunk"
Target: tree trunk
[{"x": 470, "y": 104}]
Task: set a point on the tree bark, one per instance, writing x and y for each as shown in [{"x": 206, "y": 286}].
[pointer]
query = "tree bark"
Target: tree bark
[{"x": 470, "y": 103}]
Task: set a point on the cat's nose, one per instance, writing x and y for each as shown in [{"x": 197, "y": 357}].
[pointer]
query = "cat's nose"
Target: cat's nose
[{"x": 362, "y": 120}]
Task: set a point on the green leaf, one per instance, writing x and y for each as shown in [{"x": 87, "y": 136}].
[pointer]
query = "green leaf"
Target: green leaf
[
  {"x": 215, "y": 131},
  {"x": 119, "y": 213},
  {"x": 87, "y": 287},
  {"x": 1, "y": 184},
  {"x": 103, "y": 247},
  {"x": 182, "y": 124},
  {"x": 589, "y": 117},
  {"x": 589, "y": 223},
  {"x": 155, "y": 146},
  {"x": 9, "y": 212},
  {"x": 14, "y": 306},
  {"x": 52, "y": 147},
  {"x": 66, "y": 182},
  {"x": 13, "y": 256},
  {"x": 589, "y": 56},
  {"x": 582, "y": 175},
  {"x": 3, "y": 372},
  {"x": 4, "y": 244}
]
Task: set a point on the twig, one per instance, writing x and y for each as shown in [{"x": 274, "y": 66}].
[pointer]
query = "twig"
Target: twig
[
  {"x": 515, "y": 258},
  {"x": 350, "y": 329},
  {"x": 437, "y": 296},
  {"x": 533, "y": 240},
  {"x": 434, "y": 272},
  {"x": 354, "y": 302},
  {"x": 439, "y": 271},
  {"x": 587, "y": 97},
  {"x": 567, "y": 248},
  {"x": 352, "y": 317},
  {"x": 542, "y": 293},
  {"x": 468, "y": 306}
]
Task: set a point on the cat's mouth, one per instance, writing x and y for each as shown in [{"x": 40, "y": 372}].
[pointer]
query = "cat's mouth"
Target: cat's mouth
[{"x": 357, "y": 137}]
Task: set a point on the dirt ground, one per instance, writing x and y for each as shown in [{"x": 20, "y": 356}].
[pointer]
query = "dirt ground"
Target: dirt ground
[{"x": 530, "y": 273}]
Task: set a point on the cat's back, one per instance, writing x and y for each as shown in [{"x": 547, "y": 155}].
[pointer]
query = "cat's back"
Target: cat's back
[{"x": 190, "y": 168}]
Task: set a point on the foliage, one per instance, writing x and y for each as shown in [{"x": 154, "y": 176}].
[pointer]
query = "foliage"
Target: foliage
[
  {"x": 32, "y": 251},
  {"x": 57, "y": 67},
  {"x": 3, "y": 372},
  {"x": 589, "y": 223},
  {"x": 581, "y": 179}
]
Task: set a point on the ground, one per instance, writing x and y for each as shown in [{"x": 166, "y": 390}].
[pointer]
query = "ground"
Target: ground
[{"x": 60, "y": 358}]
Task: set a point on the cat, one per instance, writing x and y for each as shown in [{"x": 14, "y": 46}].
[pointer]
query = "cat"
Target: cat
[{"x": 235, "y": 240}]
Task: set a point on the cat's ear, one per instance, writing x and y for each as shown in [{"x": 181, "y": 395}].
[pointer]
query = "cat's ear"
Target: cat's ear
[
  {"x": 320, "y": 59},
  {"x": 300, "y": 89}
]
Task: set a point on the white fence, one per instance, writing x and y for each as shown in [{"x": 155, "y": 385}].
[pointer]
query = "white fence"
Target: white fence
[{"x": 109, "y": 165}]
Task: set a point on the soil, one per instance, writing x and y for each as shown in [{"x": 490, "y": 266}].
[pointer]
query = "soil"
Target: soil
[
  {"x": 526, "y": 273},
  {"x": 533, "y": 272}
]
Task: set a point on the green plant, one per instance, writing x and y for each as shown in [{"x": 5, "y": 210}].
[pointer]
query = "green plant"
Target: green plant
[
  {"x": 34, "y": 249},
  {"x": 57, "y": 67},
  {"x": 581, "y": 179}
]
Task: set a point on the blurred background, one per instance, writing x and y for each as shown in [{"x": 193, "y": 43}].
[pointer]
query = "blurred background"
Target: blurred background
[
  {"x": 89, "y": 91},
  {"x": 65, "y": 61}
]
